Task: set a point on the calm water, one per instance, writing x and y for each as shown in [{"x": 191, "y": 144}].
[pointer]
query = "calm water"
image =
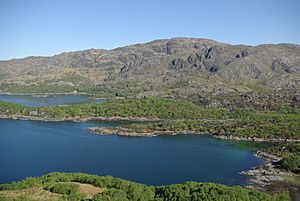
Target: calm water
[
  {"x": 32, "y": 148},
  {"x": 51, "y": 100}
]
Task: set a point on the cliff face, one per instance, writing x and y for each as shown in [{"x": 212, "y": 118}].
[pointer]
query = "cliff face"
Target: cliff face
[{"x": 181, "y": 66}]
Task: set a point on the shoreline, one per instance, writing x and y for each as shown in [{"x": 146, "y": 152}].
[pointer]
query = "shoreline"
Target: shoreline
[
  {"x": 42, "y": 94},
  {"x": 268, "y": 178},
  {"x": 90, "y": 96},
  {"x": 78, "y": 119},
  {"x": 45, "y": 95},
  {"x": 129, "y": 132},
  {"x": 262, "y": 177},
  {"x": 266, "y": 173}
]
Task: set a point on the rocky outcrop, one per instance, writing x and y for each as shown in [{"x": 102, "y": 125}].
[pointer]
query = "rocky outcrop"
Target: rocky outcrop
[
  {"x": 123, "y": 131},
  {"x": 178, "y": 64},
  {"x": 266, "y": 174},
  {"x": 285, "y": 65},
  {"x": 178, "y": 67},
  {"x": 120, "y": 131},
  {"x": 181, "y": 53},
  {"x": 254, "y": 139}
]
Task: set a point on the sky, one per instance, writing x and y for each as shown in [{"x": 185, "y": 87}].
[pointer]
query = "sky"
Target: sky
[{"x": 49, "y": 27}]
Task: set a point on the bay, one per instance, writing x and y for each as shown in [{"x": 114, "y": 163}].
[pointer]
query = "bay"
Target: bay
[{"x": 33, "y": 148}]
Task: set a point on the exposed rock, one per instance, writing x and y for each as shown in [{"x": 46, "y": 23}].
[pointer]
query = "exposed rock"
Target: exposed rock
[
  {"x": 213, "y": 69},
  {"x": 285, "y": 65},
  {"x": 124, "y": 69},
  {"x": 208, "y": 53},
  {"x": 245, "y": 53},
  {"x": 187, "y": 59},
  {"x": 265, "y": 174},
  {"x": 33, "y": 113},
  {"x": 178, "y": 64}
]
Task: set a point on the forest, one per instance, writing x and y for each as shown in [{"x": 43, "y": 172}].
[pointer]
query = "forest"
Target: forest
[{"x": 175, "y": 115}]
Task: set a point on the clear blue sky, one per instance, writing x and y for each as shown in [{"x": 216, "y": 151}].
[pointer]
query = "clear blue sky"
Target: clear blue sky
[{"x": 41, "y": 27}]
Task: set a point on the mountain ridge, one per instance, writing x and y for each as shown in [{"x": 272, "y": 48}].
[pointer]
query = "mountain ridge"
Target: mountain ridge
[
  {"x": 144, "y": 43},
  {"x": 177, "y": 67}
]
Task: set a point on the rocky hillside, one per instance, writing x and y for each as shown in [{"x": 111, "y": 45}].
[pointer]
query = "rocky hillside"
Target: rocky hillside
[{"x": 179, "y": 67}]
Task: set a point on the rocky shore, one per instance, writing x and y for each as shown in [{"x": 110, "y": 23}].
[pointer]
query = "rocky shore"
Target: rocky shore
[
  {"x": 265, "y": 174},
  {"x": 266, "y": 177},
  {"x": 254, "y": 139},
  {"x": 130, "y": 132},
  {"x": 261, "y": 177}
]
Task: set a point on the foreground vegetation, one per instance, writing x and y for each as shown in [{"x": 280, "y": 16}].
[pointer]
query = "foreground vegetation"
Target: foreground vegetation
[{"x": 64, "y": 186}]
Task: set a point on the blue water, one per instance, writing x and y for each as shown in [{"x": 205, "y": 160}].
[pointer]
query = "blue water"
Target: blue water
[
  {"x": 32, "y": 148},
  {"x": 50, "y": 100}
]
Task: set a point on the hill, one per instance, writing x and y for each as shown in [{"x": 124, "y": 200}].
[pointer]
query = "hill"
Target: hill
[{"x": 207, "y": 72}]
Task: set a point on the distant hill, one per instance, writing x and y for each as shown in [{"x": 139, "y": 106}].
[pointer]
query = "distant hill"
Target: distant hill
[{"x": 198, "y": 69}]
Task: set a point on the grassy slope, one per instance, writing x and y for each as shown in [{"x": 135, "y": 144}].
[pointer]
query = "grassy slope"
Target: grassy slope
[{"x": 119, "y": 189}]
